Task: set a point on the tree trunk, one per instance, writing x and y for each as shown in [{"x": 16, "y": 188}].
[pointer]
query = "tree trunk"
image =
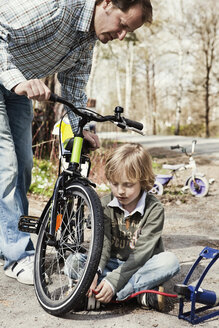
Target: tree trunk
[
  {"x": 179, "y": 92},
  {"x": 207, "y": 106},
  {"x": 154, "y": 101},
  {"x": 129, "y": 69}
]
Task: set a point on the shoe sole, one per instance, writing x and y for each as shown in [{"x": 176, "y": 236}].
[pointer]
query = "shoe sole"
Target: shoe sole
[
  {"x": 10, "y": 273},
  {"x": 161, "y": 300},
  {"x": 19, "y": 279},
  {"x": 17, "y": 275}
]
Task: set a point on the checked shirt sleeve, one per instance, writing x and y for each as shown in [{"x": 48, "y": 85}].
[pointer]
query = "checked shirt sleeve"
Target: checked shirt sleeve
[{"x": 9, "y": 73}]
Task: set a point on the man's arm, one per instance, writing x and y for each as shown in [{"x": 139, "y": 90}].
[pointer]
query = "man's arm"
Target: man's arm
[{"x": 10, "y": 75}]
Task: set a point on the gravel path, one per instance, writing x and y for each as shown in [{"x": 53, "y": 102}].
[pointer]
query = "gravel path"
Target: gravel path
[{"x": 191, "y": 224}]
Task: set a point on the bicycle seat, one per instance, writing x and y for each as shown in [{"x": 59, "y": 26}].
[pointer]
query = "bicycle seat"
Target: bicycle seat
[{"x": 173, "y": 167}]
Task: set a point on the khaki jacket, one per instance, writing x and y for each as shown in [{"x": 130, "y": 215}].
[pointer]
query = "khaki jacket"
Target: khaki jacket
[{"x": 134, "y": 239}]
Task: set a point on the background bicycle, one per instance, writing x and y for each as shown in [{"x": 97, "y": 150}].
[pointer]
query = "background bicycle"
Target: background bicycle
[{"x": 195, "y": 182}]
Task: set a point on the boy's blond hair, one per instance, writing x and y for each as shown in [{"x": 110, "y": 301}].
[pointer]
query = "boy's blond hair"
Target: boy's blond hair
[{"x": 135, "y": 161}]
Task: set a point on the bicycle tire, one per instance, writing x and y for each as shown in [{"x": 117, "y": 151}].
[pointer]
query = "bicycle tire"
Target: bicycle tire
[
  {"x": 200, "y": 187},
  {"x": 56, "y": 289}
]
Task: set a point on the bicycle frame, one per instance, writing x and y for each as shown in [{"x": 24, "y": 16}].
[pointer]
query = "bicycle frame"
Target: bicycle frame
[
  {"x": 71, "y": 172},
  {"x": 191, "y": 165},
  {"x": 32, "y": 224}
]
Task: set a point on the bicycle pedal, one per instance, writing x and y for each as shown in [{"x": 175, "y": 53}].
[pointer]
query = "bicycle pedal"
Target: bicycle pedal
[{"x": 28, "y": 223}]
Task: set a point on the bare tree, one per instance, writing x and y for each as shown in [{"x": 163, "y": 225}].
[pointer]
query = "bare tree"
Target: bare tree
[{"x": 205, "y": 26}]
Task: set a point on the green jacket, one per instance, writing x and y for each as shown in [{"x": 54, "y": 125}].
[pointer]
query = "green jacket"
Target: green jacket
[{"x": 133, "y": 240}]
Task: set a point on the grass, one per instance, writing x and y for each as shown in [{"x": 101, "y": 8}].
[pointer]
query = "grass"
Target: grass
[{"x": 44, "y": 175}]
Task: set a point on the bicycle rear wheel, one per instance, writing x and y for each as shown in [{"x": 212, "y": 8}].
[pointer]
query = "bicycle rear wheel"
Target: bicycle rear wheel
[
  {"x": 61, "y": 278},
  {"x": 198, "y": 186}
]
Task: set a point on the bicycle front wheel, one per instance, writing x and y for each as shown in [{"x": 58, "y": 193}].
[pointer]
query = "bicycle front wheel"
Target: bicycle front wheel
[
  {"x": 157, "y": 188},
  {"x": 65, "y": 268}
]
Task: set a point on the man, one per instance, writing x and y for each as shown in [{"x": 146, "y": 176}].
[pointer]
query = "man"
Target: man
[{"x": 39, "y": 38}]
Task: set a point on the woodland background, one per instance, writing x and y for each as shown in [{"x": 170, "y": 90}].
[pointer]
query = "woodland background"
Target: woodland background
[{"x": 164, "y": 75}]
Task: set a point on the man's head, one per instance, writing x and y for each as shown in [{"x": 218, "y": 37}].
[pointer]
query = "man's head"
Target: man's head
[{"x": 113, "y": 19}]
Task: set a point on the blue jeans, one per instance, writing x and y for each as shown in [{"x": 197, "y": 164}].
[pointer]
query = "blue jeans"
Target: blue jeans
[
  {"x": 16, "y": 161},
  {"x": 159, "y": 269}
]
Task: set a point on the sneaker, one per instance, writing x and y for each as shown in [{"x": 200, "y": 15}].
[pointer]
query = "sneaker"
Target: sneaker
[
  {"x": 152, "y": 300},
  {"x": 22, "y": 270}
]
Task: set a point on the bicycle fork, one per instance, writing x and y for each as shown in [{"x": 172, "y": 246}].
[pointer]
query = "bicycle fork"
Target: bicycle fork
[
  {"x": 32, "y": 224},
  {"x": 59, "y": 187}
]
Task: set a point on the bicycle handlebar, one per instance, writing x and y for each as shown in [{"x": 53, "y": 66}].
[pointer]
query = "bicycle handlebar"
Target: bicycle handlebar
[
  {"x": 175, "y": 147},
  {"x": 133, "y": 124},
  {"x": 183, "y": 149},
  {"x": 90, "y": 115}
]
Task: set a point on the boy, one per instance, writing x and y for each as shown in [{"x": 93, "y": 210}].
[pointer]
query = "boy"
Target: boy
[{"x": 133, "y": 257}]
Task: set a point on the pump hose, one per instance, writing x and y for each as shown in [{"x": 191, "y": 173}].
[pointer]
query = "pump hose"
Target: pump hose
[{"x": 142, "y": 292}]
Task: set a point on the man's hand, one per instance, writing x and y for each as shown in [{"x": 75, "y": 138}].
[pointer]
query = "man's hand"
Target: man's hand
[
  {"x": 105, "y": 292},
  {"x": 92, "y": 139},
  {"x": 34, "y": 89}
]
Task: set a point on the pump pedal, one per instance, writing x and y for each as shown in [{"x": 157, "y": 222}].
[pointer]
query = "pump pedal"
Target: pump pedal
[
  {"x": 28, "y": 223},
  {"x": 182, "y": 291}
]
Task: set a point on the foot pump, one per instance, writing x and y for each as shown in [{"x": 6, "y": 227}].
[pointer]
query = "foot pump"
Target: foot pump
[{"x": 196, "y": 294}]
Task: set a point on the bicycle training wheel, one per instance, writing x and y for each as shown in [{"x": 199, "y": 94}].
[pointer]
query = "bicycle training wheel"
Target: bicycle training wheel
[
  {"x": 198, "y": 186},
  {"x": 65, "y": 268}
]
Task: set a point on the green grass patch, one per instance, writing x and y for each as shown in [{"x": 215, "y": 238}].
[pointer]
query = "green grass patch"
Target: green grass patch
[{"x": 44, "y": 175}]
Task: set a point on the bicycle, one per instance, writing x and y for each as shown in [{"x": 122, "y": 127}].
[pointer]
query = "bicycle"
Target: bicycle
[
  {"x": 196, "y": 183},
  {"x": 71, "y": 223}
]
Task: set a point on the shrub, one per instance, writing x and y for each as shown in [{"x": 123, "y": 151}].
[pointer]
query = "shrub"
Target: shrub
[
  {"x": 44, "y": 175},
  {"x": 197, "y": 130}
]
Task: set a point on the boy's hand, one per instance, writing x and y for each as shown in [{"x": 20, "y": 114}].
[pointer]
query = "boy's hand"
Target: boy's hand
[
  {"x": 33, "y": 89},
  {"x": 105, "y": 292}
]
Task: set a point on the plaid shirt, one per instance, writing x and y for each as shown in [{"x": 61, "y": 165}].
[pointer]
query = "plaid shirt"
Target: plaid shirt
[{"x": 42, "y": 37}]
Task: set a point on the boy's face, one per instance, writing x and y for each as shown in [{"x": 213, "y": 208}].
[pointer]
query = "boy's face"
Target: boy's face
[
  {"x": 112, "y": 23},
  {"x": 127, "y": 192}
]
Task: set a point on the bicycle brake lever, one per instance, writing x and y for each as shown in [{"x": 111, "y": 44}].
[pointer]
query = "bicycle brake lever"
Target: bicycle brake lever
[
  {"x": 121, "y": 125},
  {"x": 136, "y": 130},
  {"x": 125, "y": 127}
]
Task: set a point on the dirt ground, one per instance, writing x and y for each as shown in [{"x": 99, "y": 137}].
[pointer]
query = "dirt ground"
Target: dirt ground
[{"x": 191, "y": 224}]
